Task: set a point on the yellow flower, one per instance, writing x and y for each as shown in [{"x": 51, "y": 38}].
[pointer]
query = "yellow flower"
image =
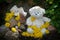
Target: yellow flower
[
  {"x": 32, "y": 35},
  {"x": 17, "y": 18},
  {"x": 40, "y": 34},
  {"x": 36, "y": 31},
  {"x": 29, "y": 26},
  {"x": 33, "y": 19},
  {"x": 25, "y": 34},
  {"x": 34, "y": 27},
  {"x": 12, "y": 13},
  {"x": 18, "y": 24},
  {"x": 8, "y": 16},
  {"x": 37, "y": 35},
  {"x": 47, "y": 24},
  {"x": 43, "y": 26},
  {"x": 7, "y": 19},
  {"x": 13, "y": 29},
  {"x": 7, "y": 24},
  {"x": 47, "y": 32}
]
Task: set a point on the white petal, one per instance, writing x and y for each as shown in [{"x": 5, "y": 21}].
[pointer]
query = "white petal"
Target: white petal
[
  {"x": 29, "y": 22},
  {"x": 13, "y": 8},
  {"x": 21, "y": 10},
  {"x": 46, "y": 19},
  {"x": 16, "y": 13},
  {"x": 16, "y": 27},
  {"x": 30, "y": 30},
  {"x": 24, "y": 13},
  {"x": 37, "y": 9},
  {"x": 43, "y": 30}
]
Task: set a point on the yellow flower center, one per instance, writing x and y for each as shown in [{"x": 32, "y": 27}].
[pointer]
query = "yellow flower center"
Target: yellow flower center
[
  {"x": 13, "y": 29},
  {"x": 33, "y": 19},
  {"x": 17, "y": 18},
  {"x": 18, "y": 24},
  {"x": 7, "y": 24}
]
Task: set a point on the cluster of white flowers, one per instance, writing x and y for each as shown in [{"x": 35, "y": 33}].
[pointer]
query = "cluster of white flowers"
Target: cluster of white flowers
[
  {"x": 38, "y": 13},
  {"x": 17, "y": 10}
]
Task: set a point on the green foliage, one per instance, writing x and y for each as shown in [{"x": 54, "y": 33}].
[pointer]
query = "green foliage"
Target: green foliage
[{"x": 53, "y": 12}]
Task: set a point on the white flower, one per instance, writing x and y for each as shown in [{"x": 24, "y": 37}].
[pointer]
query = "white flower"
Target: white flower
[
  {"x": 30, "y": 30},
  {"x": 21, "y": 10},
  {"x": 37, "y": 11},
  {"x": 46, "y": 19},
  {"x": 17, "y": 10},
  {"x": 28, "y": 21},
  {"x": 13, "y": 8},
  {"x": 43, "y": 30}
]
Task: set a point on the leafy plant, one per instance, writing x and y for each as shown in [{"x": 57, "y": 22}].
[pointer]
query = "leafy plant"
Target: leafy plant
[{"x": 53, "y": 12}]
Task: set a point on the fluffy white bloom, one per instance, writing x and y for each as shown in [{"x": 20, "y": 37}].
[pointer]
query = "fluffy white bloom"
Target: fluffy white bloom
[
  {"x": 13, "y": 8},
  {"x": 46, "y": 19},
  {"x": 30, "y": 30},
  {"x": 43, "y": 30},
  {"x": 29, "y": 22},
  {"x": 21, "y": 10},
  {"x": 17, "y": 10},
  {"x": 37, "y": 22},
  {"x": 37, "y": 11}
]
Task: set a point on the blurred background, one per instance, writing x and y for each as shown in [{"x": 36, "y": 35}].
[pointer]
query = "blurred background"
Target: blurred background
[{"x": 52, "y": 11}]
